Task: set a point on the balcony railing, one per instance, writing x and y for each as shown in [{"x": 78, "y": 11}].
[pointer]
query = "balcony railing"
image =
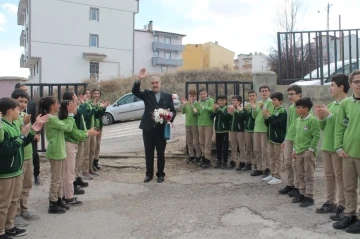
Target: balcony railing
[
  {"x": 166, "y": 62},
  {"x": 22, "y": 61},
  {"x": 167, "y": 47}
]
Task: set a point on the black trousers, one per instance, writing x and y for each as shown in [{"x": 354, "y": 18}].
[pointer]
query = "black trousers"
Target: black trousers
[
  {"x": 36, "y": 159},
  {"x": 154, "y": 139},
  {"x": 222, "y": 147}
]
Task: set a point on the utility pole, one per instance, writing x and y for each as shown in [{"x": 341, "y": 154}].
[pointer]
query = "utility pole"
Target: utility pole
[{"x": 328, "y": 15}]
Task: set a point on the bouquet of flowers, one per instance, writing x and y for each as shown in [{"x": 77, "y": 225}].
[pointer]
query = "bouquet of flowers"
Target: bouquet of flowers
[{"x": 162, "y": 116}]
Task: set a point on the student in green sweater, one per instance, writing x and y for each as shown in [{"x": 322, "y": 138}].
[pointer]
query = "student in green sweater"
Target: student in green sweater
[
  {"x": 96, "y": 140},
  {"x": 294, "y": 93},
  {"x": 72, "y": 140},
  {"x": 306, "y": 140},
  {"x": 23, "y": 214},
  {"x": 347, "y": 138},
  {"x": 249, "y": 131},
  {"x": 56, "y": 151},
  {"x": 81, "y": 114},
  {"x": 260, "y": 132},
  {"x": 1, "y": 129},
  {"x": 237, "y": 126},
  {"x": 191, "y": 128},
  {"x": 11, "y": 163},
  {"x": 203, "y": 109},
  {"x": 87, "y": 172},
  {"x": 275, "y": 122},
  {"x": 221, "y": 126},
  {"x": 332, "y": 162}
]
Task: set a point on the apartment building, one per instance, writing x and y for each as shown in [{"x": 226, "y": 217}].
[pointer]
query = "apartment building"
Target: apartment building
[
  {"x": 70, "y": 41},
  {"x": 158, "y": 51},
  {"x": 251, "y": 62},
  {"x": 206, "y": 56}
]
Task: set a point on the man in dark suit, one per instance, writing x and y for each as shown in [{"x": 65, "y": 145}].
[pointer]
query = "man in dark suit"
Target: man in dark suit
[
  {"x": 153, "y": 133},
  {"x": 31, "y": 110}
]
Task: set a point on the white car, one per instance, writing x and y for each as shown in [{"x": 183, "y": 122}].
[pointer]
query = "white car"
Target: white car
[
  {"x": 129, "y": 107},
  {"x": 310, "y": 79}
]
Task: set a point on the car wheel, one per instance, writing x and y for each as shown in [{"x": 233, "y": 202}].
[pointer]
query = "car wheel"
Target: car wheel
[{"x": 107, "y": 119}]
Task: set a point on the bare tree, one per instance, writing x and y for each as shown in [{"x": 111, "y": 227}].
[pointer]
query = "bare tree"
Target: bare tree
[{"x": 290, "y": 60}]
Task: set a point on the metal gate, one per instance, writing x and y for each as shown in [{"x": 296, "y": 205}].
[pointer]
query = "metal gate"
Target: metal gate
[
  {"x": 214, "y": 88},
  {"x": 38, "y": 91},
  {"x": 316, "y": 54}
]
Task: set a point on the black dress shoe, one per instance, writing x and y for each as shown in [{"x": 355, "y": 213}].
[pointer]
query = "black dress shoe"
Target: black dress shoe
[
  {"x": 344, "y": 223},
  {"x": 160, "y": 179},
  {"x": 354, "y": 228},
  {"x": 147, "y": 179}
]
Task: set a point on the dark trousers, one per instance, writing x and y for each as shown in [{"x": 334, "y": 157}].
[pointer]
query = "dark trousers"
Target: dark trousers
[
  {"x": 222, "y": 147},
  {"x": 36, "y": 159},
  {"x": 154, "y": 138}
]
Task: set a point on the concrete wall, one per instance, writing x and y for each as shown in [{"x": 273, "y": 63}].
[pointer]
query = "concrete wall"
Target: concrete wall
[{"x": 60, "y": 33}]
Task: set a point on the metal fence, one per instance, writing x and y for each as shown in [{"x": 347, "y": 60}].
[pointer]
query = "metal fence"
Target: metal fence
[
  {"x": 38, "y": 91},
  {"x": 317, "y": 54},
  {"x": 214, "y": 88}
]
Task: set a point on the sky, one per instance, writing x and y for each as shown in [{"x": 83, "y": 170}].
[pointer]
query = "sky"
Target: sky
[{"x": 242, "y": 26}]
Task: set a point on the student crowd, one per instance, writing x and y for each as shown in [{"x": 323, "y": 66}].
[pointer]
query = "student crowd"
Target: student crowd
[
  {"x": 259, "y": 131},
  {"x": 73, "y": 131}
]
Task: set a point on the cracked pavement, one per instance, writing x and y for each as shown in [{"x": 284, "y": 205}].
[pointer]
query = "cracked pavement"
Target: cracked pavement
[{"x": 191, "y": 203}]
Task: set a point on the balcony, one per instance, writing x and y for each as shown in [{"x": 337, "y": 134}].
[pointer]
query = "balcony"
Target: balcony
[
  {"x": 167, "y": 47},
  {"x": 22, "y": 36},
  {"x": 166, "y": 62},
  {"x": 21, "y": 14},
  {"x": 22, "y": 61}
]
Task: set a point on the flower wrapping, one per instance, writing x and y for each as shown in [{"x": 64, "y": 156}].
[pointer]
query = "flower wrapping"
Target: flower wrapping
[{"x": 162, "y": 116}]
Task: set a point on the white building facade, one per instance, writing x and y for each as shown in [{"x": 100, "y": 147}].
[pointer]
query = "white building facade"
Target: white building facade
[
  {"x": 158, "y": 51},
  {"x": 252, "y": 62},
  {"x": 70, "y": 41}
]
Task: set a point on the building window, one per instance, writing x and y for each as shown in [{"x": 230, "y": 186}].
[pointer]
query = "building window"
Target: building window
[
  {"x": 31, "y": 72},
  {"x": 27, "y": 35},
  {"x": 94, "y": 14},
  {"x": 164, "y": 69},
  {"x": 167, "y": 55},
  {"x": 156, "y": 54},
  {"x": 167, "y": 40},
  {"x": 37, "y": 67},
  {"x": 156, "y": 38},
  {"x": 94, "y": 41},
  {"x": 94, "y": 70},
  {"x": 34, "y": 71}
]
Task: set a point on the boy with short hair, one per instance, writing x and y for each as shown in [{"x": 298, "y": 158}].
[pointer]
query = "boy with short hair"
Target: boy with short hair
[
  {"x": 23, "y": 214},
  {"x": 203, "y": 109},
  {"x": 249, "y": 131},
  {"x": 237, "y": 121},
  {"x": 260, "y": 132},
  {"x": 11, "y": 154},
  {"x": 331, "y": 160},
  {"x": 221, "y": 126},
  {"x": 294, "y": 93},
  {"x": 276, "y": 135},
  {"x": 307, "y": 136},
  {"x": 347, "y": 138},
  {"x": 191, "y": 128}
]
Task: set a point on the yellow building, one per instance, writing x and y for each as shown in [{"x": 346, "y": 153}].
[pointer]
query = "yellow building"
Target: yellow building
[{"x": 208, "y": 55}]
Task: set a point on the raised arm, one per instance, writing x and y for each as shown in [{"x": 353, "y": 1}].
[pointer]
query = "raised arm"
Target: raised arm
[{"x": 136, "y": 87}]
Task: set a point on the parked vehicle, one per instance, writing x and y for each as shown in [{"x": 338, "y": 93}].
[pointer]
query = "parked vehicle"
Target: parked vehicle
[
  {"x": 310, "y": 80},
  {"x": 129, "y": 107}
]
